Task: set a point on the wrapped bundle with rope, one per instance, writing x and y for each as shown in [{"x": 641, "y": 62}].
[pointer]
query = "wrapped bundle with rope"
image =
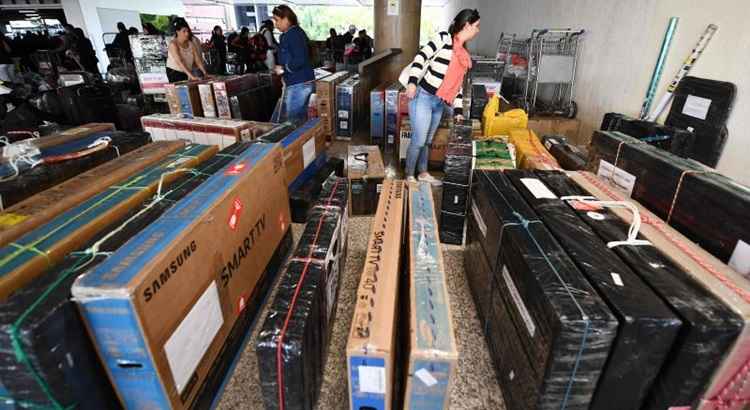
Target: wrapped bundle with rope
[
  {"x": 41, "y": 322},
  {"x": 293, "y": 343},
  {"x": 27, "y": 169}
]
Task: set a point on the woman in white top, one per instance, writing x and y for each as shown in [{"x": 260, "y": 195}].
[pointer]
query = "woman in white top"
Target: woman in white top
[{"x": 183, "y": 55}]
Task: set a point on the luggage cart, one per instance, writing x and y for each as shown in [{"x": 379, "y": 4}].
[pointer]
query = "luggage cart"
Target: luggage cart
[{"x": 552, "y": 59}]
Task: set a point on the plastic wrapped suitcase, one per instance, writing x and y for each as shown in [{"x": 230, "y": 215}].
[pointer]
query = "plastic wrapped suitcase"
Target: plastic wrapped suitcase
[{"x": 703, "y": 106}]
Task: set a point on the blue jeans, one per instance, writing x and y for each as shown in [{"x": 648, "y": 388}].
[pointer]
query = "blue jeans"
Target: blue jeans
[
  {"x": 425, "y": 112},
  {"x": 292, "y": 106}
]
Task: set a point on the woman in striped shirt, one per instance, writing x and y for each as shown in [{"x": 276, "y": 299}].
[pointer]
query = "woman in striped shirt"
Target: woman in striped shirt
[{"x": 444, "y": 62}]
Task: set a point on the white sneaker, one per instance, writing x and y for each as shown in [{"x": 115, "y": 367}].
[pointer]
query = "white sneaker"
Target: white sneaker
[
  {"x": 429, "y": 178},
  {"x": 411, "y": 180}
]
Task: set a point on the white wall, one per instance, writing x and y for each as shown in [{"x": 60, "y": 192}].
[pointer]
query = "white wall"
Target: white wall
[
  {"x": 621, "y": 46},
  {"x": 85, "y": 14}
]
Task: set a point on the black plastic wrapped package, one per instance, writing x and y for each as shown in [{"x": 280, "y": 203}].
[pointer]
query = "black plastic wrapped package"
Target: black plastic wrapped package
[
  {"x": 277, "y": 133},
  {"x": 678, "y": 141},
  {"x": 458, "y": 163},
  {"x": 52, "y": 335},
  {"x": 707, "y": 119},
  {"x": 297, "y": 328},
  {"x": 707, "y": 207},
  {"x": 569, "y": 156},
  {"x": 452, "y": 228},
  {"x": 548, "y": 330},
  {"x": 479, "y": 275},
  {"x": 479, "y": 99},
  {"x": 647, "y": 326},
  {"x": 302, "y": 198},
  {"x": 709, "y": 327},
  {"x": 455, "y": 198},
  {"x": 46, "y": 175}
]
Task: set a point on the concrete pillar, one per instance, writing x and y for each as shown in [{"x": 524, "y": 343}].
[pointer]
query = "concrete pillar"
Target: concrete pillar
[{"x": 397, "y": 31}]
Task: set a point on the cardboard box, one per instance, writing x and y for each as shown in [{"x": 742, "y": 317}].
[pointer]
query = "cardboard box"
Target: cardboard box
[
  {"x": 392, "y": 118},
  {"x": 325, "y": 89},
  {"x": 371, "y": 348},
  {"x": 432, "y": 352},
  {"x": 569, "y": 128},
  {"x": 227, "y": 87},
  {"x": 366, "y": 172},
  {"x": 348, "y": 108},
  {"x": 173, "y": 101},
  {"x": 437, "y": 148},
  {"x": 207, "y": 131},
  {"x": 50, "y": 330},
  {"x": 40, "y": 208},
  {"x": 190, "y": 98},
  {"x": 36, "y": 251},
  {"x": 377, "y": 115},
  {"x": 292, "y": 346},
  {"x": 302, "y": 147},
  {"x": 165, "y": 302},
  {"x": 208, "y": 102},
  {"x": 732, "y": 288}
]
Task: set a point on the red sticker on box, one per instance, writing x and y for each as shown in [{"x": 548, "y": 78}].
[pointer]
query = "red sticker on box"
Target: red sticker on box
[
  {"x": 234, "y": 214},
  {"x": 235, "y": 169}
]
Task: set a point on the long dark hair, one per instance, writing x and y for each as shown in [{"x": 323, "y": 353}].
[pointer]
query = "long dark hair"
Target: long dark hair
[
  {"x": 466, "y": 16},
  {"x": 284, "y": 11}
]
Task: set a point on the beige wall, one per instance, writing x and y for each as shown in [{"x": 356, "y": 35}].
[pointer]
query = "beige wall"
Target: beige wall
[{"x": 621, "y": 47}]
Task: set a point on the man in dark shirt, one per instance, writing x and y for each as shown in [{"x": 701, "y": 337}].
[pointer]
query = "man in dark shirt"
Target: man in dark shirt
[
  {"x": 122, "y": 41},
  {"x": 364, "y": 44}
]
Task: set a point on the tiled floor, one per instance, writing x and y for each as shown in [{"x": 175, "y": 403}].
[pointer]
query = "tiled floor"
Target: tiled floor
[{"x": 475, "y": 386}]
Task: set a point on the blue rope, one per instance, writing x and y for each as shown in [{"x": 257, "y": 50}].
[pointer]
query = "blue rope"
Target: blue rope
[{"x": 587, "y": 323}]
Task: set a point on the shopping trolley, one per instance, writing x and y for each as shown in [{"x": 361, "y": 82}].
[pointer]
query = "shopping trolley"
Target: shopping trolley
[{"x": 552, "y": 58}]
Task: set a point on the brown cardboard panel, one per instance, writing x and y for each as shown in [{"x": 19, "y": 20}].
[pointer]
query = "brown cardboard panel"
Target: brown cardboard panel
[
  {"x": 40, "y": 208},
  {"x": 325, "y": 88},
  {"x": 53, "y": 253},
  {"x": 209, "y": 131},
  {"x": 172, "y": 100},
  {"x": 229, "y": 269},
  {"x": 728, "y": 388},
  {"x": 366, "y": 172},
  {"x": 570, "y": 128},
  {"x": 300, "y": 153},
  {"x": 374, "y": 324}
]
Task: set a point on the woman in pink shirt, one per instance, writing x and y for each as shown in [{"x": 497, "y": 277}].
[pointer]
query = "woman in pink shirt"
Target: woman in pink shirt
[{"x": 436, "y": 77}]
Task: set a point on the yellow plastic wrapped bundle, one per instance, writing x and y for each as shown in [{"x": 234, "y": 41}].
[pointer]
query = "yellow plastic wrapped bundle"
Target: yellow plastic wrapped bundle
[
  {"x": 500, "y": 123},
  {"x": 530, "y": 153}
]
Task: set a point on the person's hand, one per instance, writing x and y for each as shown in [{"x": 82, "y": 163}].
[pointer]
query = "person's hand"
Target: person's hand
[
  {"x": 191, "y": 77},
  {"x": 278, "y": 70},
  {"x": 411, "y": 91},
  {"x": 459, "y": 118}
]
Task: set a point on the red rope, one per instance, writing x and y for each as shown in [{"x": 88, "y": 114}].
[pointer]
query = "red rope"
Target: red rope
[{"x": 279, "y": 346}]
